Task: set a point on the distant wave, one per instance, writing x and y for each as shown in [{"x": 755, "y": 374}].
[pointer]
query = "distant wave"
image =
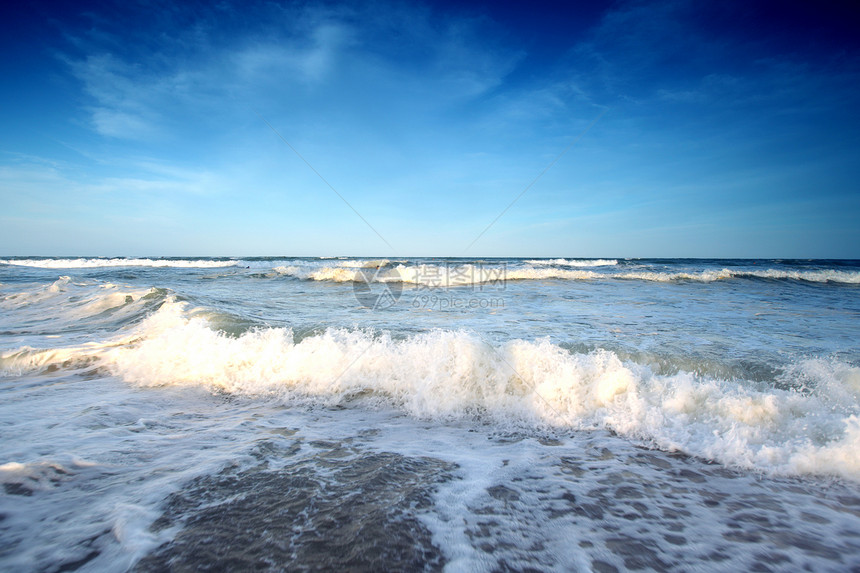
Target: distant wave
[
  {"x": 574, "y": 262},
  {"x": 818, "y": 276},
  {"x": 519, "y": 384},
  {"x": 453, "y": 273},
  {"x": 83, "y": 263},
  {"x": 468, "y": 274},
  {"x": 68, "y": 305}
]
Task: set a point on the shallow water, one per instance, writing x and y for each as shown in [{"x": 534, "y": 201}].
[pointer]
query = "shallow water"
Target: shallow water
[{"x": 429, "y": 414}]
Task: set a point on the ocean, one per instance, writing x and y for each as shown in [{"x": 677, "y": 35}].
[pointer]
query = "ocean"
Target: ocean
[{"x": 429, "y": 414}]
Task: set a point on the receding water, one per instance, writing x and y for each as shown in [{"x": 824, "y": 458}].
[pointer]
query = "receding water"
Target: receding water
[{"x": 423, "y": 414}]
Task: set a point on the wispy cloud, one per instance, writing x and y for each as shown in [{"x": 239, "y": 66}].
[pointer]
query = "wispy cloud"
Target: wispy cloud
[
  {"x": 305, "y": 59},
  {"x": 430, "y": 118},
  {"x": 30, "y": 177}
]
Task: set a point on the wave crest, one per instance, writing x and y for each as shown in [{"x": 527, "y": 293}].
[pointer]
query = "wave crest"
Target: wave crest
[
  {"x": 806, "y": 425},
  {"x": 84, "y": 263},
  {"x": 574, "y": 262},
  {"x": 470, "y": 274}
]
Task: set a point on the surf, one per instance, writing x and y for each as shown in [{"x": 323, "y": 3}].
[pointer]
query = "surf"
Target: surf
[{"x": 807, "y": 423}]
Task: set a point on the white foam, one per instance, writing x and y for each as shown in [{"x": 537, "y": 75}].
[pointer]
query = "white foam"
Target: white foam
[
  {"x": 99, "y": 458},
  {"x": 545, "y": 273},
  {"x": 84, "y": 263},
  {"x": 364, "y": 263},
  {"x": 453, "y": 275},
  {"x": 575, "y": 262},
  {"x": 68, "y": 305},
  {"x": 820, "y": 276},
  {"x": 443, "y": 375},
  {"x": 307, "y": 272},
  {"x": 439, "y": 276},
  {"x": 447, "y": 374}
]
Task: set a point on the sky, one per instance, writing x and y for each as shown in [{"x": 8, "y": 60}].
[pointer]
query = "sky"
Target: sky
[{"x": 476, "y": 129}]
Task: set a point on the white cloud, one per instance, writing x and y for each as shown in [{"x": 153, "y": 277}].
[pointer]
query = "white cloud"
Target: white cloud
[
  {"x": 312, "y": 62},
  {"x": 31, "y": 181},
  {"x": 121, "y": 124},
  {"x": 309, "y": 59}
]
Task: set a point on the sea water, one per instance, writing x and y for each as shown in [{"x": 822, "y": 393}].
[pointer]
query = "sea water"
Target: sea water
[{"x": 424, "y": 414}]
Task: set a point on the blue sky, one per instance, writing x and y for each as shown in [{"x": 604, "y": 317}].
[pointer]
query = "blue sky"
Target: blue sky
[{"x": 139, "y": 129}]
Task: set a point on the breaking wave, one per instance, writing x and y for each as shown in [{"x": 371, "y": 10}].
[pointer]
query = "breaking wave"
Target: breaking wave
[
  {"x": 83, "y": 263},
  {"x": 468, "y": 274},
  {"x": 574, "y": 262},
  {"x": 806, "y": 424},
  {"x": 458, "y": 273}
]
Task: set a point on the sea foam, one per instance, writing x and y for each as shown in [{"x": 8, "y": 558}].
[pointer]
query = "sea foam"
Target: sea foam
[
  {"x": 465, "y": 274},
  {"x": 574, "y": 262},
  {"x": 85, "y": 263},
  {"x": 807, "y": 425}
]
